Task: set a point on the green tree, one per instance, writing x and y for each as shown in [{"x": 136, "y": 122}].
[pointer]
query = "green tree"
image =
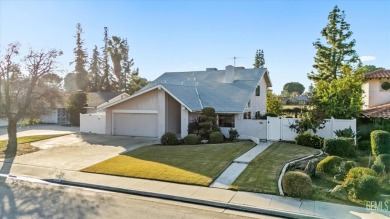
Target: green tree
[
  {"x": 274, "y": 103},
  {"x": 337, "y": 52},
  {"x": 105, "y": 80},
  {"x": 136, "y": 83},
  {"x": 80, "y": 61},
  {"x": 70, "y": 82},
  {"x": 95, "y": 71},
  {"x": 292, "y": 87},
  {"x": 341, "y": 98},
  {"x": 368, "y": 68},
  {"x": 259, "y": 59},
  {"x": 76, "y": 103}
]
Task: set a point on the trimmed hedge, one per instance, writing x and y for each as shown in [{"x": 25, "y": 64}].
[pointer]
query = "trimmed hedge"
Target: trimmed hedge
[
  {"x": 378, "y": 167},
  {"x": 340, "y": 147},
  {"x": 168, "y": 138},
  {"x": 367, "y": 187},
  {"x": 307, "y": 139},
  {"x": 329, "y": 164},
  {"x": 191, "y": 139},
  {"x": 384, "y": 159},
  {"x": 354, "y": 174},
  {"x": 297, "y": 184},
  {"x": 216, "y": 137},
  {"x": 380, "y": 142}
]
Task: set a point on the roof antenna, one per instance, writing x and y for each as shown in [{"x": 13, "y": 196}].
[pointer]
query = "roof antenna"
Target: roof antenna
[{"x": 234, "y": 60}]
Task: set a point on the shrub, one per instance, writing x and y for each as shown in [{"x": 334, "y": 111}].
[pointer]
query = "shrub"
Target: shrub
[
  {"x": 329, "y": 164},
  {"x": 216, "y": 137},
  {"x": 364, "y": 145},
  {"x": 366, "y": 188},
  {"x": 378, "y": 167},
  {"x": 208, "y": 111},
  {"x": 380, "y": 142},
  {"x": 349, "y": 165},
  {"x": 297, "y": 184},
  {"x": 384, "y": 159},
  {"x": 233, "y": 134},
  {"x": 346, "y": 133},
  {"x": 193, "y": 127},
  {"x": 339, "y": 146},
  {"x": 352, "y": 178},
  {"x": 168, "y": 138},
  {"x": 307, "y": 139},
  {"x": 191, "y": 139}
]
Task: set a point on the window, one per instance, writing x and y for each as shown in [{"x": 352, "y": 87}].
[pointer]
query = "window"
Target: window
[
  {"x": 226, "y": 121},
  {"x": 248, "y": 105},
  {"x": 247, "y": 115},
  {"x": 257, "y": 115},
  {"x": 258, "y": 90}
]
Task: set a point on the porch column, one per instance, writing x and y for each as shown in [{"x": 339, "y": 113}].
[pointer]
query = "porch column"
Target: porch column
[
  {"x": 161, "y": 112},
  {"x": 184, "y": 122}
]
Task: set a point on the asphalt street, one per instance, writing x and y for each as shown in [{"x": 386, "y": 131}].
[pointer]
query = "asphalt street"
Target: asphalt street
[{"x": 21, "y": 199}]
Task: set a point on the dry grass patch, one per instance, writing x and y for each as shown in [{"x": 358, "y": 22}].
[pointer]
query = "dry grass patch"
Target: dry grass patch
[
  {"x": 189, "y": 164},
  {"x": 24, "y": 146}
]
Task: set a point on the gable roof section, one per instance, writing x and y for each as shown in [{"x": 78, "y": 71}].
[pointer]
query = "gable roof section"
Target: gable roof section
[
  {"x": 381, "y": 111},
  {"x": 94, "y": 99},
  {"x": 196, "y": 90},
  {"x": 381, "y": 73}
]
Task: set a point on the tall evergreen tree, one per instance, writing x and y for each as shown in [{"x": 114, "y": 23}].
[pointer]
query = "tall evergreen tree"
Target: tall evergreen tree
[
  {"x": 126, "y": 66},
  {"x": 80, "y": 61},
  {"x": 259, "y": 59},
  {"x": 105, "y": 82},
  {"x": 337, "y": 52},
  {"x": 94, "y": 70}
]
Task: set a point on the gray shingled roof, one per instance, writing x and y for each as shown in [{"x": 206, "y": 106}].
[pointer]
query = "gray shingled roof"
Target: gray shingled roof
[
  {"x": 94, "y": 99},
  {"x": 208, "y": 88}
]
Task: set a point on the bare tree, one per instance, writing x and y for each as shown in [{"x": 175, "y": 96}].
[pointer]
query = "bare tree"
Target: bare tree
[{"x": 27, "y": 93}]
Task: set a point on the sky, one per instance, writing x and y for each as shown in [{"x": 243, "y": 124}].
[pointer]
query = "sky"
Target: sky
[{"x": 169, "y": 36}]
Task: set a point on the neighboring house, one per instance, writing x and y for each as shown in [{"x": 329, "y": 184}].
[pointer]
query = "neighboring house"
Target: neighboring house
[
  {"x": 175, "y": 99},
  {"x": 94, "y": 99},
  {"x": 302, "y": 99},
  {"x": 376, "y": 97}
]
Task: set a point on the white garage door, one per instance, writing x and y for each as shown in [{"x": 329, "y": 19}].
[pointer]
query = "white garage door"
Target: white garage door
[{"x": 135, "y": 124}]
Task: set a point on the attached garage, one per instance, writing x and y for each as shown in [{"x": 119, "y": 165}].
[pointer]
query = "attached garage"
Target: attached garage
[{"x": 135, "y": 124}]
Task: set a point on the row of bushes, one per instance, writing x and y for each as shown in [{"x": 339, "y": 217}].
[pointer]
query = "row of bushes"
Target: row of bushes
[
  {"x": 360, "y": 182},
  {"x": 170, "y": 138}
]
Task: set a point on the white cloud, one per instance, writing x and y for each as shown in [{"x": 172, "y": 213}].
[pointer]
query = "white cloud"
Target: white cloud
[{"x": 367, "y": 58}]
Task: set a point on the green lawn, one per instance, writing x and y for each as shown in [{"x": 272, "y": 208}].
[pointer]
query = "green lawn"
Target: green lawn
[
  {"x": 263, "y": 172},
  {"x": 189, "y": 164},
  {"x": 23, "y": 143}
]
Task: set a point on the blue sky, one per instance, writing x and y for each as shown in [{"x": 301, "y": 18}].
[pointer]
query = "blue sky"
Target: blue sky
[{"x": 193, "y": 35}]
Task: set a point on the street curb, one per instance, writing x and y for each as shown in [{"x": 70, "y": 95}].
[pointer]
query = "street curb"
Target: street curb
[{"x": 238, "y": 207}]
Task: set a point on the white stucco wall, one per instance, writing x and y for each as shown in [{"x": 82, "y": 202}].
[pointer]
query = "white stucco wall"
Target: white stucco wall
[
  {"x": 376, "y": 96},
  {"x": 259, "y": 103}
]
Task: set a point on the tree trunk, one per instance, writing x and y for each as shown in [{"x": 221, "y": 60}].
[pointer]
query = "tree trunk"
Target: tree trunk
[{"x": 12, "y": 145}]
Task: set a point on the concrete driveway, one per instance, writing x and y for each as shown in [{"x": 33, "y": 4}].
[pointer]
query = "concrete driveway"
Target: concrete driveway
[
  {"x": 39, "y": 129},
  {"x": 77, "y": 151}
]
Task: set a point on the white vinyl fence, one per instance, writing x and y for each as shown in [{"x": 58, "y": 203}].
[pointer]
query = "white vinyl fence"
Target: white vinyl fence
[
  {"x": 93, "y": 123},
  {"x": 279, "y": 128},
  {"x": 249, "y": 129}
]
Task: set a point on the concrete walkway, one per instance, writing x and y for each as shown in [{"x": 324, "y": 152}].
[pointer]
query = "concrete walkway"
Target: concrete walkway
[
  {"x": 234, "y": 200},
  {"x": 238, "y": 166}
]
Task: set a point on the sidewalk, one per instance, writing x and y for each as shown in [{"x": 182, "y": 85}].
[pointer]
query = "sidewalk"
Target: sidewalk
[{"x": 236, "y": 200}]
